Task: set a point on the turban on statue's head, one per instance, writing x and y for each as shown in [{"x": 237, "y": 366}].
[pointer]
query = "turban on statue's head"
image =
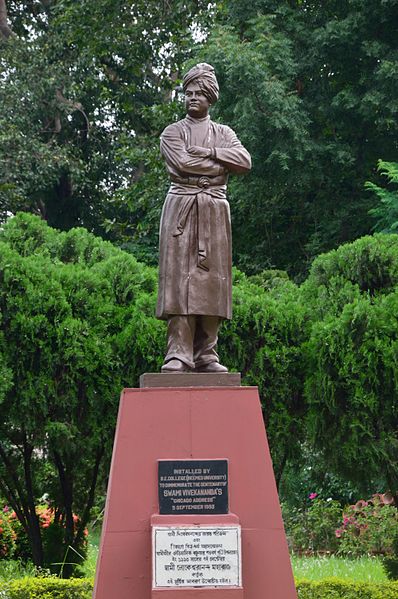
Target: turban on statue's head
[{"x": 203, "y": 74}]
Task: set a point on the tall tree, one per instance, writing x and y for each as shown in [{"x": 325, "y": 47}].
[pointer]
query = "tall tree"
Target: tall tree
[
  {"x": 314, "y": 89},
  {"x": 78, "y": 83}
]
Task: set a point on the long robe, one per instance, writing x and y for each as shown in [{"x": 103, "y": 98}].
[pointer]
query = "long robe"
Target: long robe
[{"x": 195, "y": 228}]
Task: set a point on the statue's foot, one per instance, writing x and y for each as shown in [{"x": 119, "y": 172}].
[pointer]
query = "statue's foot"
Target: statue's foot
[
  {"x": 212, "y": 367},
  {"x": 175, "y": 366}
]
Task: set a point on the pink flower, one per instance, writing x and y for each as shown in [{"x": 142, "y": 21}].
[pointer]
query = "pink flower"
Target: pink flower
[
  {"x": 6, "y": 509},
  {"x": 338, "y": 532},
  {"x": 312, "y": 496}
]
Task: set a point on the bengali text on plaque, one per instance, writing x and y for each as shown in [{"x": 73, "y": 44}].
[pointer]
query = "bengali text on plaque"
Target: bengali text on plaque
[{"x": 199, "y": 556}]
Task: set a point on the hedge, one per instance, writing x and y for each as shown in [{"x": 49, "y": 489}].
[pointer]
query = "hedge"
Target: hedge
[
  {"x": 335, "y": 588},
  {"x": 47, "y": 588},
  {"x": 332, "y": 588}
]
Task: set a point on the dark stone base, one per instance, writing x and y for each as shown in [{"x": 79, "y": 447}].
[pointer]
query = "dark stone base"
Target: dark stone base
[{"x": 190, "y": 379}]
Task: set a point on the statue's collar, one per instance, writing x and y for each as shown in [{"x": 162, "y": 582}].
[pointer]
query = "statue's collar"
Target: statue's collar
[{"x": 196, "y": 121}]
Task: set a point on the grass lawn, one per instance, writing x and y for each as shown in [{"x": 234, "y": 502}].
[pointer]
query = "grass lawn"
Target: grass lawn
[
  {"x": 12, "y": 569},
  {"x": 363, "y": 569},
  {"x": 92, "y": 552}
]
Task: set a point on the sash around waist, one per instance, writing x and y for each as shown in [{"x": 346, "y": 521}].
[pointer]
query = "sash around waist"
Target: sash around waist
[
  {"x": 215, "y": 191},
  {"x": 198, "y": 198}
]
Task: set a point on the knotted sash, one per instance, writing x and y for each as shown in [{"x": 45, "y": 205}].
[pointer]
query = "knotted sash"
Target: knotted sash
[{"x": 198, "y": 198}]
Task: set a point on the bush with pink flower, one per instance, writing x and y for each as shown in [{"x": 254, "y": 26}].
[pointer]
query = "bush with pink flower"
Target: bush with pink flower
[
  {"x": 368, "y": 527},
  {"x": 324, "y": 526}
]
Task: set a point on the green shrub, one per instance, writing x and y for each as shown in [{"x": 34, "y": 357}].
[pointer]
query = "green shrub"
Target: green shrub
[
  {"x": 47, "y": 588},
  {"x": 313, "y": 529},
  {"x": 390, "y": 562},
  {"x": 333, "y": 588}
]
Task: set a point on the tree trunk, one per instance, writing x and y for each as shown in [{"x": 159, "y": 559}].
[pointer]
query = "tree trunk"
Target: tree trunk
[
  {"x": 90, "y": 499},
  {"x": 33, "y": 520},
  {"x": 21, "y": 498},
  {"x": 5, "y": 30},
  {"x": 67, "y": 495},
  {"x": 35, "y": 541},
  {"x": 279, "y": 471}
]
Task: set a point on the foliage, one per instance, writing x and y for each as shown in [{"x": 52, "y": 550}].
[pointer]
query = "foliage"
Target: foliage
[
  {"x": 77, "y": 102},
  {"x": 313, "y": 529},
  {"x": 52, "y": 526},
  {"x": 390, "y": 562},
  {"x": 7, "y": 535},
  {"x": 12, "y": 569},
  {"x": 264, "y": 341},
  {"x": 77, "y": 326},
  {"x": 307, "y": 472},
  {"x": 333, "y": 588},
  {"x": 368, "y": 527},
  {"x": 256, "y": 71},
  {"x": 351, "y": 381},
  {"x": 82, "y": 112},
  {"x": 387, "y": 210},
  {"x": 47, "y": 588},
  {"x": 313, "y": 121}
]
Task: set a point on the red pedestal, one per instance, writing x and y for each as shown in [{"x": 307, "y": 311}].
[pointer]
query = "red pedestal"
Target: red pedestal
[{"x": 191, "y": 423}]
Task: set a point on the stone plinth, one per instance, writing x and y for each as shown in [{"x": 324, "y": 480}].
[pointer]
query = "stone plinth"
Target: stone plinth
[{"x": 190, "y": 379}]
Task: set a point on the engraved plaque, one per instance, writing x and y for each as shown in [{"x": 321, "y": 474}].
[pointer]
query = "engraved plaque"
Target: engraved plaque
[
  {"x": 193, "y": 486},
  {"x": 200, "y": 556}
]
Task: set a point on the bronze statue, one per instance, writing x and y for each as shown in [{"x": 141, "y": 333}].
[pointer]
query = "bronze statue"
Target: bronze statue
[{"x": 195, "y": 280}]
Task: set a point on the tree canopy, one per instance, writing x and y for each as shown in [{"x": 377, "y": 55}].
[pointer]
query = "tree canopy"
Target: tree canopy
[
  {"x": 79, "y": 82},
  {"x": 310, "y": 87}
]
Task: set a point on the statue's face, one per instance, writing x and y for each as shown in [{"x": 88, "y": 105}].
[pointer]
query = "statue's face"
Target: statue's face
[{"x": 196, "y": 103}]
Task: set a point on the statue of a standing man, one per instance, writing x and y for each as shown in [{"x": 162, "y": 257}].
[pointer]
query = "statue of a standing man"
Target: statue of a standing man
[{"x": 195, "y": 280}]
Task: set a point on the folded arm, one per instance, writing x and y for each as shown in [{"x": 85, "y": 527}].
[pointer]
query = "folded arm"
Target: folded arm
[
  {"x": 234, "y": 157},
  {"x": 173, "y": 148}
]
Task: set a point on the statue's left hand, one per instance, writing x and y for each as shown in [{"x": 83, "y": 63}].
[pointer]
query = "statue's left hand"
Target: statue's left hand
[{"x": 199, "y": 151}]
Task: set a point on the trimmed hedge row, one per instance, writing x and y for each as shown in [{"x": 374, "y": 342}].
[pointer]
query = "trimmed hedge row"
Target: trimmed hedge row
[
  {"x": 332, "y": 588},
  {"x": 335, "y": 588},
  {"x": 47, "y": 588}
]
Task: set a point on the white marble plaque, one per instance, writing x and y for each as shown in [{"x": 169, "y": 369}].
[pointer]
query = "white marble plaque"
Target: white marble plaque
[{"x": 200, "y": 556}]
